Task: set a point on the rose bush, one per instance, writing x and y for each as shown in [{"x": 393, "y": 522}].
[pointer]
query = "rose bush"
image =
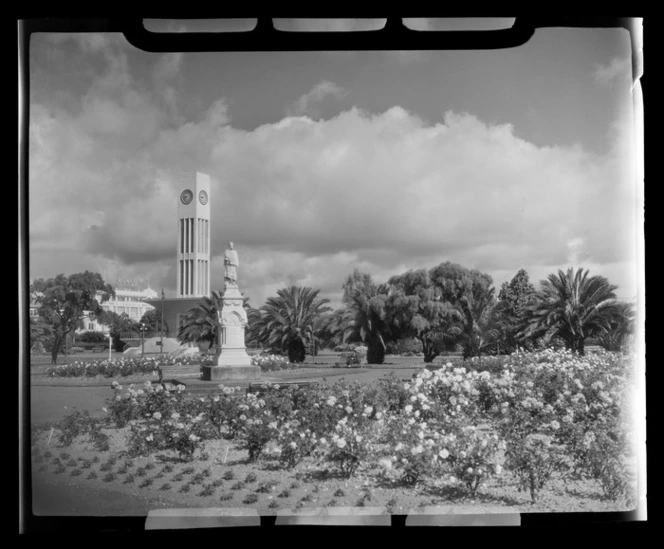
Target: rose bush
[
  {"x": 534, "y": 415},
  {"x": 122, "y": 367},
  {"x": 269, "y": 363}
]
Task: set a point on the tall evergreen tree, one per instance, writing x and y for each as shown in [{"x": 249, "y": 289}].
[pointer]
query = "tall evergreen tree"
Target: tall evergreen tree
[{"x": 514, "y": 300}]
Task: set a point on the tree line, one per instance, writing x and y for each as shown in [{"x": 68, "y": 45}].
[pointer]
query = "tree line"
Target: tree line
[{"x": 443, "y": 309}]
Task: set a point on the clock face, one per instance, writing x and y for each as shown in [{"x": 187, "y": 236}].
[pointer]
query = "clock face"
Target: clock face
[
  {"x": 202, "y": 197},
  {"x": 186, "y": 196}
]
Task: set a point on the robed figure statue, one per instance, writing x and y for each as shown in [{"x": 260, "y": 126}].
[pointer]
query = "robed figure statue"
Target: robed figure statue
[{"x": 231, "y": 263}]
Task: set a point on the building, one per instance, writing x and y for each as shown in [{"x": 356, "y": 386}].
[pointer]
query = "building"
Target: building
[
  {"x": 192, "y": 253},
  {"x": 128, "y": 300}
]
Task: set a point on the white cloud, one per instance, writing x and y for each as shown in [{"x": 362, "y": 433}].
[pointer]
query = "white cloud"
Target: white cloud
[
  {"x": 307, "y": 201},
  {"x": 307, "y": 104},
  {"x": 617, "y": 68}
]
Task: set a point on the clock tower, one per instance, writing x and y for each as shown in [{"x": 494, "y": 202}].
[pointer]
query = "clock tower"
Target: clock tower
[{"x": 193, "y": 243}]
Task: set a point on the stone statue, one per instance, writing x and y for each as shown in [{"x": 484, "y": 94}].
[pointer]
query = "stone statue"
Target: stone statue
[{"x": 231, "y": 263}]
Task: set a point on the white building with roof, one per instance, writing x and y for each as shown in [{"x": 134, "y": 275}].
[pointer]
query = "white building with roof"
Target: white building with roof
[{"x": 129, "y": 301}]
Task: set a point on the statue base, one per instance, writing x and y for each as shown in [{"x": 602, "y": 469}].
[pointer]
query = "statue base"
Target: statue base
[
  {"x": 231, "y": 373},
  {"x": 233, "y": 356}
]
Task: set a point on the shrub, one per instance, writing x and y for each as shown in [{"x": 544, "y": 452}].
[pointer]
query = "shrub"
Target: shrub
[
  {"x": 109, "y": 477},
  {"x": 266, "y": 487},
  {"x": 226, "y": 496},
  {"x": 344, "y": 348},
  {"x": 270, "y": 362},
  {"x": 402, "y": 346},
  {"x": 197, "y": 479},
  {"x": 74, "y": 424},
  {"x": 38, "y": 349},
  {"x": 356, "y": 356},
  {"x": 250, "y": 499}
]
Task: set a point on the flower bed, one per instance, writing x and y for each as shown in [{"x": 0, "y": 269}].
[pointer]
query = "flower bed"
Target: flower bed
[
  {"x": 537, "y": 420},
  {"x": 271, "y": 363},
  {"x": 122, "y": 367}
]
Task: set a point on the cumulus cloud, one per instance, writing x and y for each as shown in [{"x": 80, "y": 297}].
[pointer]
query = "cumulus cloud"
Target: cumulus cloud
[
  {"x": 307, "y": 201},
  {"x": 308, "y": 103}
]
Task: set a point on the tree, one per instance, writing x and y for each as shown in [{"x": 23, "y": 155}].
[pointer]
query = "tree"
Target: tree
[
  {"x": 63, "y": 300},
  {"x": 514, "y": 300},
  {"x": 621, "y": 327},
  {"x": 366, "y": 314},
  {"x": 41, "y": 333},
  {"x": 118, "y": 325},
  {"x": 152, "y": 321},
  {"x": 201, "y": 323},
  {"x": 330, "y": 327},
  {"x": 415, "y": 309},
  {"x": 288, "y": 321},
  {"x": 452, "y": 281},
  {"x": 573, "y": 306},
  {"x": 477, "y": 324}
]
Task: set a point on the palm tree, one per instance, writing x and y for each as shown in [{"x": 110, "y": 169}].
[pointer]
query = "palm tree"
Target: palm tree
[
  {"x": 201, "y": 324},
  {"x": 573, "y": 306},
  {"x": 477, "y": 325},
  {"x": 366, "y": 321},
  {"x": 331, "y": 327},
  {"x": 621, "y": 328},
  {"x": 288, "y": 322}
]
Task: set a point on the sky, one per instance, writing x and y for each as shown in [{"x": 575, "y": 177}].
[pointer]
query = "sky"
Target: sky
[{"x": 323, "y": 162}]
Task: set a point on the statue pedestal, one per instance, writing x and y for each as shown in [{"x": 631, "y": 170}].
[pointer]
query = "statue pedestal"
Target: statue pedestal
[
  {"x": 233, "y": 363},
  {"x": 231, "y": 373}
]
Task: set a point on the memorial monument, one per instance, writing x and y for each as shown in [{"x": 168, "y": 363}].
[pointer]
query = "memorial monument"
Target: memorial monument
[{"x": 233, "y": 363}]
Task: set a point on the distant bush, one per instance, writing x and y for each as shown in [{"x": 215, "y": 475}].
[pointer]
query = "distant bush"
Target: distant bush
[
  {"x": 407, "y": 347},
  {"x": 356, "y": 356},
  {"x": 344, "y": 348},
  {"x": 92, "y": 337},
  {"x": 269, "y": 362},
  {"x": 38, "y": 349}
]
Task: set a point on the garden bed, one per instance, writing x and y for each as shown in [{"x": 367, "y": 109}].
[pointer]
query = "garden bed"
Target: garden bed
[
  {"x": 210, "y": 484},
  {"x": 546, "y": 431}
]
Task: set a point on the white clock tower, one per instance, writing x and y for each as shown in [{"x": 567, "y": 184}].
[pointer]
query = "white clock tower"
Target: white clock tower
[{"x": 193, "y": 252}]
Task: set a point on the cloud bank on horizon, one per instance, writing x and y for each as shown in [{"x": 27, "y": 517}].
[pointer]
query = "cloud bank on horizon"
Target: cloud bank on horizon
[{"x": 309, "y": 198}]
